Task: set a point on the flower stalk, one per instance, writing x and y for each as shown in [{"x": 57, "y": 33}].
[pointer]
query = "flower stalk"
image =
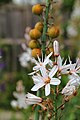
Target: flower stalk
[
  {"x": 37, "y": 115},
  {"x": 44, "y": 36},
  {"x": 55, "y": 104}
]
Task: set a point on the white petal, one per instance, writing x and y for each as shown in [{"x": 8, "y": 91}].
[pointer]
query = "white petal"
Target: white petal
[
  {"x": 55, "y": 81},
  {"x": 59, "y": 61},
  {"x": 78, "y": 63},
  {"x": 47, "y": 89},
  {"x": 37, "y": 79},
  {"x": 39, "y": 59},
  {"x": 35, "y": 61},
  {"x": 46, "y": 61},
  {"x": 50, "y": 63},
  {"x": 65, "y": 68},
  {"x": 43, "y": 72},
  {"x": 53, "y": 71},
  {"x": 36, "y": 67},
  {"x": 37, "y": 86},
  {"x": 65, "y": 62},
  {"x": 29, "y": 95}
]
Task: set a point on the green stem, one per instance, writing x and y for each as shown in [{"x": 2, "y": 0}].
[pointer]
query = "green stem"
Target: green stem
[
  {"x": 55, "y": 103},
  {"x": 36, "y": 117},
  {"x": 44, "y": 36}
]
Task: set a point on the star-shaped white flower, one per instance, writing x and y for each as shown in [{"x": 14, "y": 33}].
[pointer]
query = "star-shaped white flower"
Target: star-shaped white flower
[
  {"x": 62, "y": 68},
  {"x": 45, "y": 79},
  {"x": 25, "y": 58},
  {"x": 40, "y": 64},
  {"x": 75, "y": 68},
  {"x": 20, "y": 102},
  {"x": 74, "y": 81},
  {"x": 68, "y": 90},
  {"x": 32, "y": 99}
]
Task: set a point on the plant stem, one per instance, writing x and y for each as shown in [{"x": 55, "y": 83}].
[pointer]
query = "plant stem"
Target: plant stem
[
  {"x": 44, "y": 36},
  {"x": 55, "y": 103},
  {"x": 36, "y": 117}
]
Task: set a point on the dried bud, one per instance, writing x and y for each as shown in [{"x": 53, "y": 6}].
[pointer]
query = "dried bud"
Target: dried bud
[
  {"x": 66, "y": 99},
  {"x": 49, "y": 115},
  {"x": 62, "y": 107},
  {"x": 75, "y": 93},
  {"x": 56, "y": 48}
]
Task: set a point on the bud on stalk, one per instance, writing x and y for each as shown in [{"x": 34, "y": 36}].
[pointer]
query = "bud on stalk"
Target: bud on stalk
[{"x": 56, "y": 48}]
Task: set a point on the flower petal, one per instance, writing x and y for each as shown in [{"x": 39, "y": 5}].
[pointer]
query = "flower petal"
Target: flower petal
[
  {"x": 59, "y": 61},
  {"x": 46, "y": 61},
  {"x": 37, "y": 67},
  {"x": 55, "y": 81},
  {"x": 37, "y": 79},
  {"x": 47, "y": 89},
  {"x": 53, "y": 71},
  {"x": 43, "y": 72},
  {"x": 37, "y": 86}
]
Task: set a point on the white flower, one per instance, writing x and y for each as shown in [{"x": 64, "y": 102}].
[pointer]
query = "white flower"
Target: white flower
[
  {"x": 45, "y": 80},
  {"x": 24, "y": 58},
  {"x": 14, "y": 104},
  {"x": 72, "y": 31},
  {"x": 62, "y": 67},
  {"x": 68, "y": 90},
  {"x": 32, "y": 99},
  {"x": 75, "y": 68},
  {"x": 40, "y": 64},
  {"x": 75, "y": 81},
  {"x": 20, "y": 100}
]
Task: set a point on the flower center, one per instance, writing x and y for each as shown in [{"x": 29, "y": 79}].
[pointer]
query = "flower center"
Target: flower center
[
  {"x": 41, "y": 64},
  {"x": 47, "y": 80}
]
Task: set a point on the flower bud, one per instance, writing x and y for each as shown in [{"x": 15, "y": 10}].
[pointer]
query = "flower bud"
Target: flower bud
[{"x": 56, "y": 48}]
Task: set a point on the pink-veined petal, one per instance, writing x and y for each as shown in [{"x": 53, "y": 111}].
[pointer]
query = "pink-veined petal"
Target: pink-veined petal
[
  {"x": 47, "y": 89},
  {"x": 55, "y": 81},
  {"x": 53, "y": 71},
  {"x": 37, "y": 86}
]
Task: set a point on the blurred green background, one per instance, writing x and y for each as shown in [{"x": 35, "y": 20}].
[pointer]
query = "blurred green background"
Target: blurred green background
[{"x": 15, "y": 16}]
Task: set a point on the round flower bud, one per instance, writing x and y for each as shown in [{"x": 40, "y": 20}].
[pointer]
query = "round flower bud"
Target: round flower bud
[
  {"x": 36, "y": 52},
  {"x": 37, "y": 9},
  {"x": 35, "y": 34},
  {"x": 39, "y": 26},
  {"x": 34, "y": 44},
  {"x": 53, "y": 32}
]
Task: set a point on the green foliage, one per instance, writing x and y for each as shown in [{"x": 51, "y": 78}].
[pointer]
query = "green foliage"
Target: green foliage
[{"x": 5, "y": 1}]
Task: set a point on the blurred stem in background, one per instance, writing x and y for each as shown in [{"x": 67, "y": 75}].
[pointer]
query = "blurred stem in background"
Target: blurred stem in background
[{"x": 66, "y": 11}]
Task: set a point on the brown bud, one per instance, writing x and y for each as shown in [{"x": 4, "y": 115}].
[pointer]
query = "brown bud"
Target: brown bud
[
  {"x": 62, "y": 107},
  {"x": 75, "y": 93},
  {"x": 66, "y": 99}
]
